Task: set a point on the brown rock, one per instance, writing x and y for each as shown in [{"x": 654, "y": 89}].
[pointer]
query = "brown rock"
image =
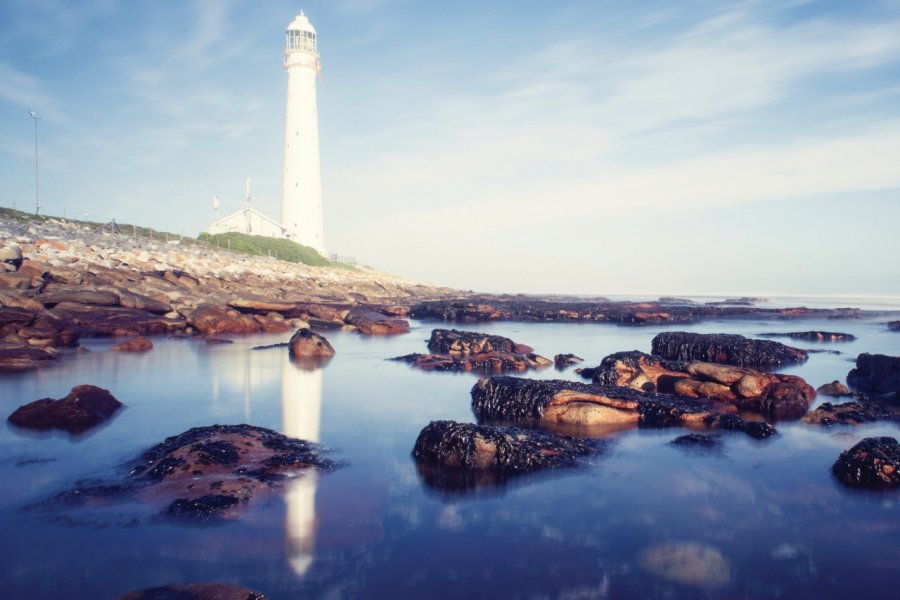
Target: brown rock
[
  {"x": 254, "y": 304},
  {"x": 307, "y": 344},
  {"x": 835, "y": 389},
  {"x": 138, "y": 344},
  {"x": 112, "y": 321},
  {"x": 482, "y": 363},
  {"x": 59, "y": 294},
  {"x": 374, "y": 323},
  {"x": 195, "y": 591},
  {"x": 24, "y": 358},
  {"x": 848, "y": 413},
  {"x": 86, "y": 406},
  {"x": 208, "y": 319},
  {"x": 872, "y": 463},
  {"x": 19, "y": 281},
  {"x": 10, "y": 257}
]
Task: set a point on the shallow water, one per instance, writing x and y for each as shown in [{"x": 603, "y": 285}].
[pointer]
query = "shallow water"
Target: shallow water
[{"x": 757, "y": 519}]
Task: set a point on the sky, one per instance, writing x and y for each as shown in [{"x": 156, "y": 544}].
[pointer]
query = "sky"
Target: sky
[{"x": 570, "y": 147}]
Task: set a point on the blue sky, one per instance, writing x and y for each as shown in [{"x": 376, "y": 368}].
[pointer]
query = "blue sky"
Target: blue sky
[{"x": 569, "y": 147}]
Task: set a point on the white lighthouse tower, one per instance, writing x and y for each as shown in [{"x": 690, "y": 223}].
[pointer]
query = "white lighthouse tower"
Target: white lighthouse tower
[{"x": 301, "y": 198}]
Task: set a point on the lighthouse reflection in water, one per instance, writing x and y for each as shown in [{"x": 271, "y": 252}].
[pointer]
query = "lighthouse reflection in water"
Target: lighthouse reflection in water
[{"x": 301, "y": 408}]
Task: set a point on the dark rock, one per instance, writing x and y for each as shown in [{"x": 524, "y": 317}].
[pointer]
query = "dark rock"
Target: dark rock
[
  {"x": 562, "y": 361},
  {"x": 835, "y": 389},
  {"x": 724, "y": 348},
  {"x": 307, "y": 344},
  {"x": 848, "y": 413},
  {"x": 84, "y": 407},
  {"x": 697, "y": 440},
  {"x": 486, "y": 363},
  {"x": 452, "y": 341},
  {"x": 876, "y": 374},
  {"x": 374, "y": 323},
  {"x": 756, "y": 429},
  {"x": 138, "y": 344},
  {"x": 195, "y": 591},
  {"x": 477, "y": 447},
  {"x": 774, "y": 395},
  {"x": 204, "y": 474},
  {"x": 894, "y": 325},
  {"x": 511, "y": 399},
  {"x": 218, "y": 341},
  {"x": 814, "y": 336},
  {"x": 872, "y": 463}
]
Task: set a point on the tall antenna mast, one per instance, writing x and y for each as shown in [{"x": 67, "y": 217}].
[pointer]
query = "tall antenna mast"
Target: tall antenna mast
[
  {"x": 248, "y": 192},
  {"x": 37, "y": 194}
]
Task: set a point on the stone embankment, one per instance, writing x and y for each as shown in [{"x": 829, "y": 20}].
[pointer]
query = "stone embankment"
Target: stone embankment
[{"x": 61, "y": 281}]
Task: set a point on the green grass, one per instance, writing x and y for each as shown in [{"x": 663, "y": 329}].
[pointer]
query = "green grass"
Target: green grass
[{"x": 257, "y": 245}]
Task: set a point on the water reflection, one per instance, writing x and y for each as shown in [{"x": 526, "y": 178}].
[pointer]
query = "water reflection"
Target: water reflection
[{"x": 301, "y": 408}]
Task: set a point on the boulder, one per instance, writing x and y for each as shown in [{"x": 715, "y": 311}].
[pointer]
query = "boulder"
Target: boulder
[
  {"x": 459, "y": 343},
  {"x": 113, "y": 321},
  {"x": 58, "y": 294},
  {"x": 834, "y": 389},
  {"x": 872, "y": 463},
  {"x": 370, "y": 322},
  {"x": 877, "y": 375},
  {"x": 511, "y": 399},
  {"x": 138, "y": 344},
  {"x": 24, "y": 358},
  {"x": 307, "y": 344},
  {"x": 725, "y": 349},
  {"x": 894, "y": 325},
  {"x": 10, "y": 257},
  {"x": 195, "y": 591},
  {"x": 488, "y": 362},
  {"x": 209, "y": 319},
  {"x": 204, "y": 475},
  {"x": 814, "y": 336},
  {"x": 774, "y": 395},
  {"x": 848, "y": 413},
  {"x": 476, "y": 447},
  {"x": 86, "y": 406}
]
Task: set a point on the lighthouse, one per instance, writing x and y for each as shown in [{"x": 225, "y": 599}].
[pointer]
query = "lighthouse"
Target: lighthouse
[{"x": 301, "y": 197}]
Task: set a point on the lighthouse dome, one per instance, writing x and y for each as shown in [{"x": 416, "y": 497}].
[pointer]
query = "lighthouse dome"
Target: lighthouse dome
[
  {"x": 301, "y": 23},
  {"x": 301, "y": 36}
]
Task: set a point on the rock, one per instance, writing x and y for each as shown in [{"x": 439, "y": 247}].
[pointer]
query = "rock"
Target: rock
[
  {"x": 204, "y": 475},
  {"x": 697, "y": 440},
  {"x": 59, "y": 294},
  {"x": 848, "y": 413},
  {"x": 689, "y": 563},
  {"x": 24, "y": 358},
  {"x": 773, "y": 395},
  {"x": 876, "y": 374},
  {"x": 814, "y": 336},
  {"x": 872, "y": 463},
  {"x": 458, "y": 343},
  {"x": 138, "y": 344},
  {"x": 10, "y": 257},
  {"x": 725, "y": 349},
  {"x": 258, "y": 305},
  {"x": 195, "y": 591},
  {"x": 137, "y": 301},
  {"x": 835, "y": 389},
  {"x": 476, "y": 447},
  {"x": 86, "y": 406},
  {"x": 374, "y": 323},
  {"x": 488, "y": 362},
  {"x": 894, "y": 325},
  {"x": 511, "y": 399},
  {"x": 113, "y": 321},
  {"x": 10, "y": 299},
  {"x": 563, "y": 361},
  {"x": 306, "y": 344},
  {"x": 209, "y": 319}
]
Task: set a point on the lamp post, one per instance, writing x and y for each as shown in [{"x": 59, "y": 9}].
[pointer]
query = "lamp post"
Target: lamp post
[{"x": 37, "y": 195}]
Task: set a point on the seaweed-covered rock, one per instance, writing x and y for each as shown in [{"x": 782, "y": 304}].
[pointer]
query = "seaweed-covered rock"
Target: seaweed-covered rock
[
  {"x": 876, "y": 374},
  {"x": 478, "y": 447},
  {"x": 205, "y": 474},
  {"x": 488, "y": 362},
  {"x": 872, "y": 463},
  {"x": 848, "y": 413},
  {"x": 774, "y": 395},
  {"x": 814, "y": 336},
  {"x": 724, "y": 348},
  {"x": 195, "y": 591},
  {"x": 562, "y": 361},
  {"x": 308, "y": 344},
  {"x": 697, "y": 440},
  {"x": 455, "y": 342},
  {"x": 84, "y": 407}
]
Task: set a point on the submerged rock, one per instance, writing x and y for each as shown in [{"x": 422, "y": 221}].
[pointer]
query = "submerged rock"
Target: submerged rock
[
  {"x": 724, "y": 348},
  {"x": 195, "y": 591},
  {"x": 308, "y": 344},
  {"x": 138, "y": 344},
  {"x": 848, "y": 413},
  {"x": 562, "y": 361},
  {"x": 777, "y": 396},
  {"x": 876, "y": 374},
  {"x": 511, "y": 399},
  {"x": 894, "y": 325},
  {"x": 834, "y": 389},
  {"x": 697, "y": 440},
  {"x": 86, "y": 406},
  {"x": 478, "y": 447},
  {"x": 814, "y": 336},
  {"x": 872, "y": 463},
  {"x": 205, "y": 474}
]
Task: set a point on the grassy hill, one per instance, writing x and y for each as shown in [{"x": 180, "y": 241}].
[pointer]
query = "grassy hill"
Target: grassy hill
[{"x": 258, "y": 245}]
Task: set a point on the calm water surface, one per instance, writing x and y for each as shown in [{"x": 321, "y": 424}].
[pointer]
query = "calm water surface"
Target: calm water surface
[{"x": 757, "y": 519}]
